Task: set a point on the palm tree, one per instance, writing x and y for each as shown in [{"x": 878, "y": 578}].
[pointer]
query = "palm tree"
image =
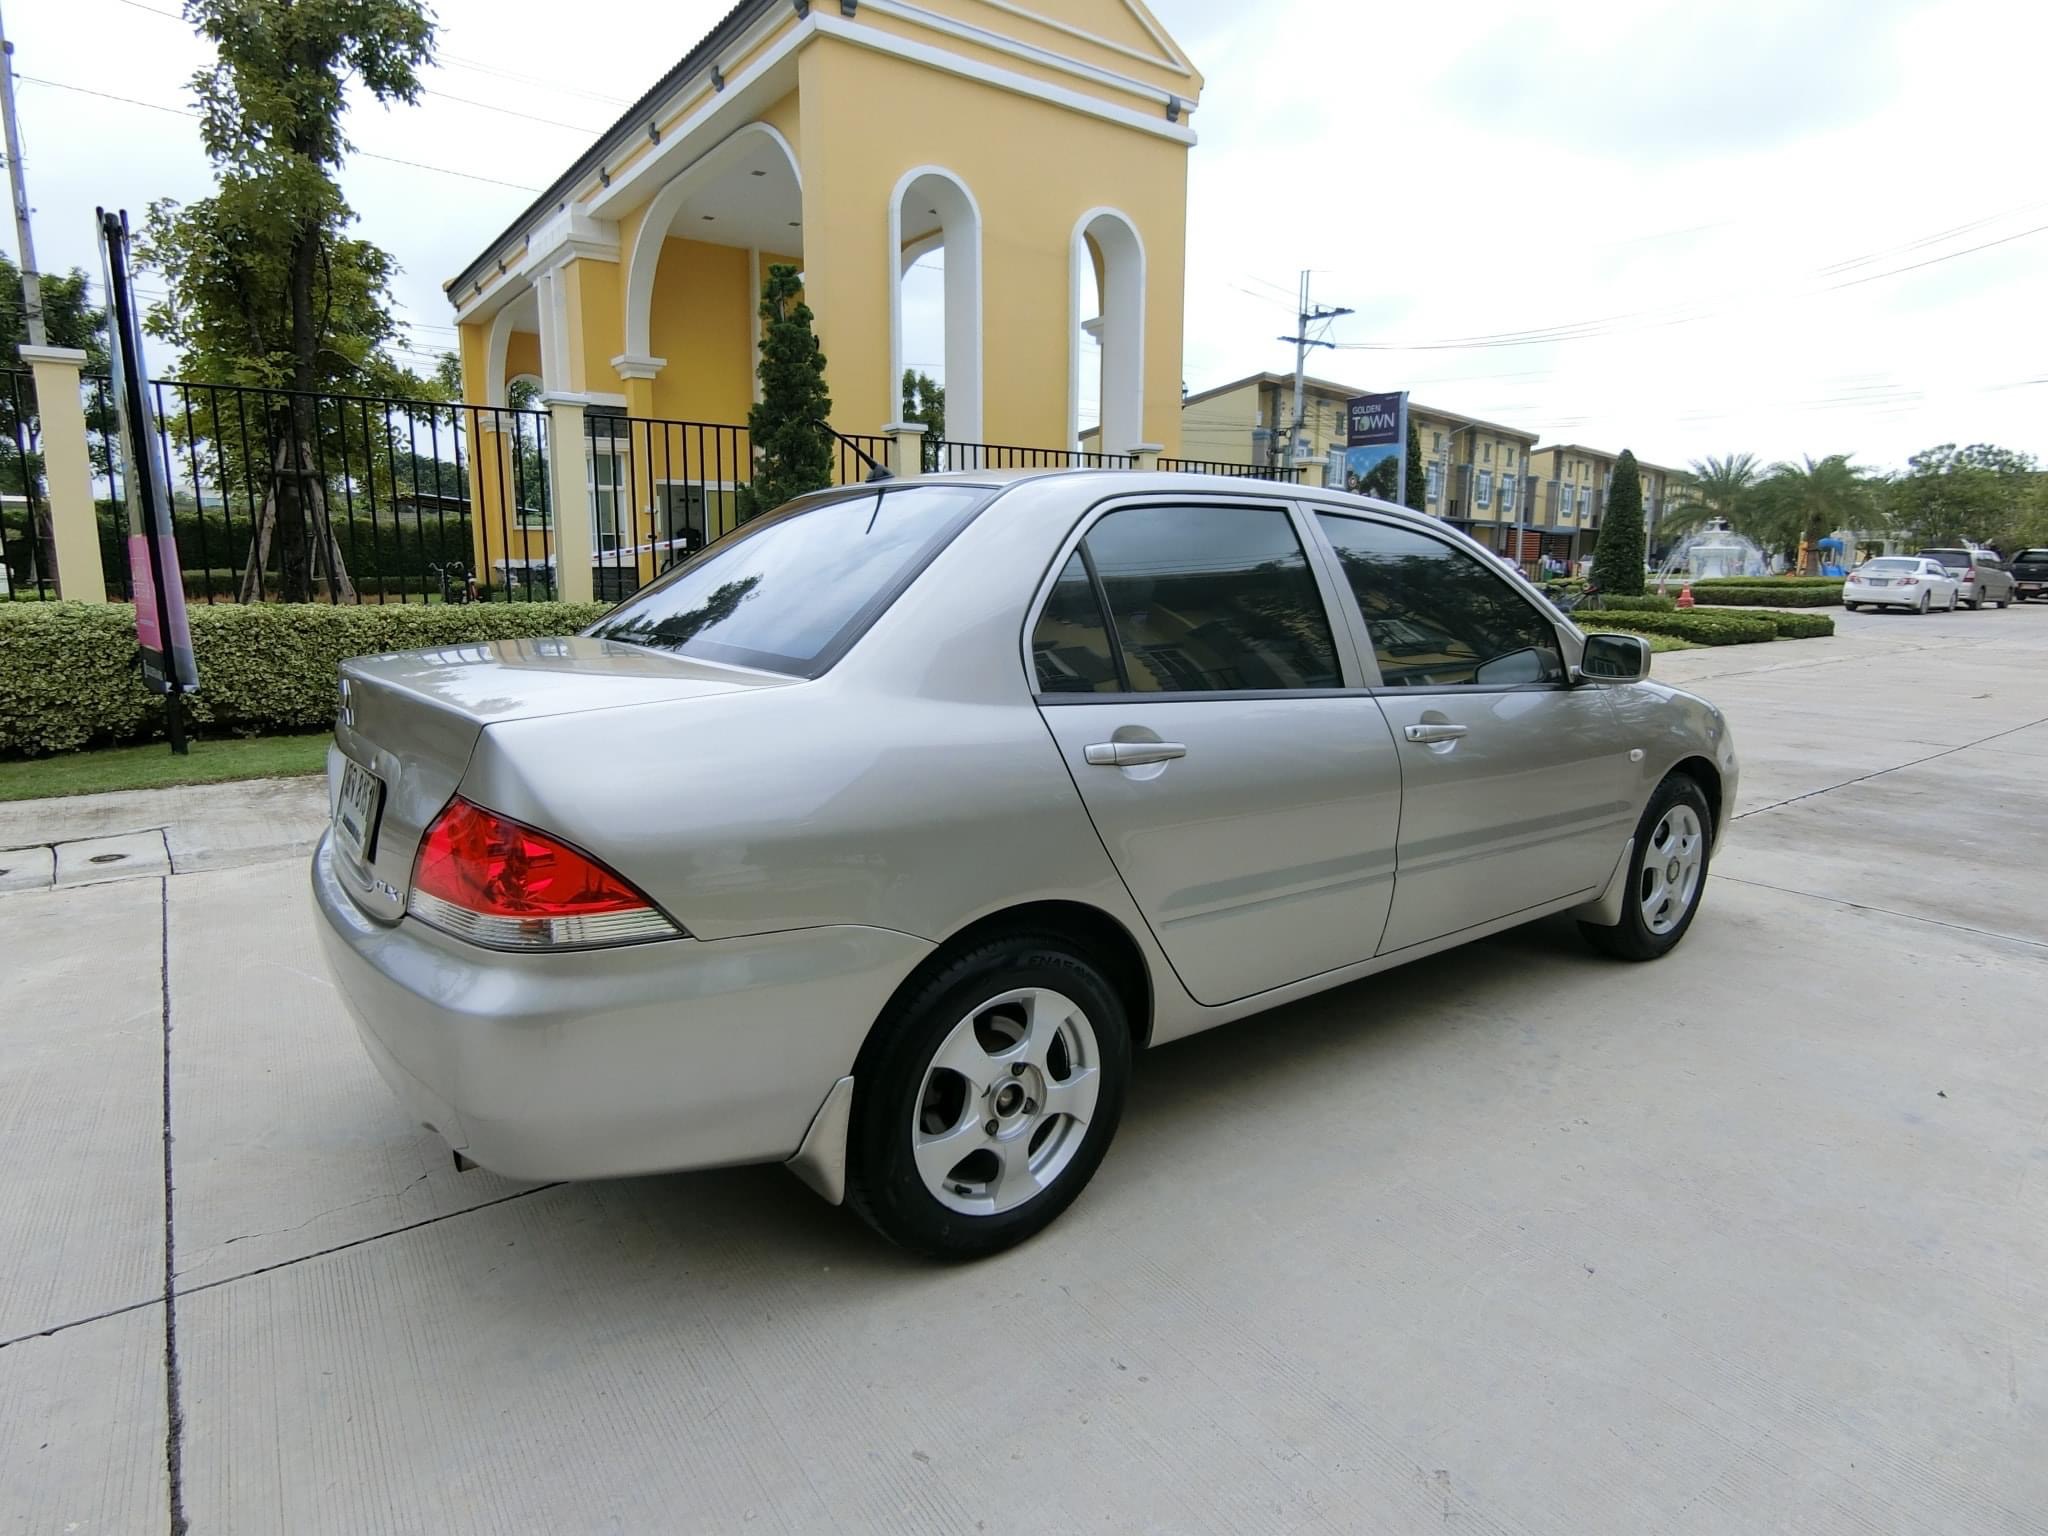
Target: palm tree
[
  {"x": 1807, "y": 501},
  {"x": 1717, "y": 487}
]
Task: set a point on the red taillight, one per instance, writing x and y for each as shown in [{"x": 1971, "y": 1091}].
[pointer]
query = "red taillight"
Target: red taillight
[
  {"x": 492, "y": 880},
  {"x": 1970, "y": 574},
  {"x": 1909, "y": 581}
]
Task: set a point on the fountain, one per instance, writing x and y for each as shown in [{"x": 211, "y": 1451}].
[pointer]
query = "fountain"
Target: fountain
[{"x": 1714, "y": 550}]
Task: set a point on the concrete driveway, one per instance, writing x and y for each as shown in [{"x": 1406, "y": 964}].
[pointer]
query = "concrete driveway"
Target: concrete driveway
[{"x": 1512, "y": 1240}]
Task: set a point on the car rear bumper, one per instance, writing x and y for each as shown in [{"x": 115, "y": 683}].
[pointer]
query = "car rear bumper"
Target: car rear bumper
[
  {"x": 1891, "y": 597},
  {"x": 605, "y": 1062}
]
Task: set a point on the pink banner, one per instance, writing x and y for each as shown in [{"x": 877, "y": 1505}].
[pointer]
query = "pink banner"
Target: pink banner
[{"x": 144, "y": 587}]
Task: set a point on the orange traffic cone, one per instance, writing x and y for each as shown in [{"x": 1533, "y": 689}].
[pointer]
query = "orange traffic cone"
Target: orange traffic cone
[{"x": 1685, "y": 595}]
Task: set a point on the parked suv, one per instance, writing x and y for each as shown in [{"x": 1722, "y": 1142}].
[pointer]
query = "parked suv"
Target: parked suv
[
  {"x": 1983, "y": 575},
  {"x": 2030, "y": 574}
]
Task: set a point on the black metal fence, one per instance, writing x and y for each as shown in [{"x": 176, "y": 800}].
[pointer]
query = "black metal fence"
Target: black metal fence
[
  {"x": 944, "y": 454},
  {"x": 661, "y": 490},
  {"x": 28, "y": 561},
  {"x": 323, "y": 498},
  {"x": 1237, "y": 471}
]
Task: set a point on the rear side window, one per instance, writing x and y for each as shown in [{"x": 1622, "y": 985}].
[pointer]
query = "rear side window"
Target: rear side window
[
  {"x": 1070, "y": 648},
  {"x": 1200, "y": 599},
  {"x": 792, "y": 591},
  {"x": 1439, "y": 618}
]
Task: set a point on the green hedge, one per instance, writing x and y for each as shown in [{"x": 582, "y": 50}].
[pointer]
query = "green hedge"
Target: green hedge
[
  {"x": 1710, "y": 627},
  {"x": 68, "y": 675},
  {"x": 1620, "y": 602},
  {"x": 1764, "y": 596},
  {"x": 1764, "y": 581}
]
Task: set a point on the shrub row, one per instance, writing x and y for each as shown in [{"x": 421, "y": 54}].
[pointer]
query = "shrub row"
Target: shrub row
[
  {"x": 69, "y": 679},
  {"x": 1618, "y": 602},
  {"x": 1765, "y": 581},
  {"x": 1711, "y": 628},
  {"x": 1770, "y": 596}
]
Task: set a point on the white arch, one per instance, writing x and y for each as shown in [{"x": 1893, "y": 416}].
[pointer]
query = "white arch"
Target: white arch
[
  {"x": 496, "y": 353},
  {"x": 960, "y": 233},
  {"x": 1123, "y": 328},
  {"x": 661, "y": 212}
]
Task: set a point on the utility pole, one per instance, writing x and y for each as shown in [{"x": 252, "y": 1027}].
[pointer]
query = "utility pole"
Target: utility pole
[
  {"x": 1307, "y": 315},
  {"x": 31, "y": 284}
]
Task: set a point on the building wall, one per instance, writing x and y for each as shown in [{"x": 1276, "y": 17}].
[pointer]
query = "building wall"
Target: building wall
[{"x": 998, "y": 145}]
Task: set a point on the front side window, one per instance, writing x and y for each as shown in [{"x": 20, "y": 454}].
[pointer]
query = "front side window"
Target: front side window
[
  {"x": 790, "y": 592},
  {"x": 1209, "y": 598},
  {"x": 1437, "y": 617}
]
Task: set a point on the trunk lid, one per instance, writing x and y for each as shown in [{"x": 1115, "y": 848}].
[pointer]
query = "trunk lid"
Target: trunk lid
[{"x": 412, "y": 719}]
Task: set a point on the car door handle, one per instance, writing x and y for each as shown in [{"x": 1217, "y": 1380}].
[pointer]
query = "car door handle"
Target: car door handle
[
  {"x": 1132, "y": 754},
  {"x": 1440, "y": 732}
]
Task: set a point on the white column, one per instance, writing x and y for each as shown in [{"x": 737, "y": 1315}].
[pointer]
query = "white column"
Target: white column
[{"x": 906, "y": 447}]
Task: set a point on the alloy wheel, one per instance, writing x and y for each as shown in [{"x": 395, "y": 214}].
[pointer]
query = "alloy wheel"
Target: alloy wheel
[
  {"x": 1671, "y": 869},
  {"x": 1006, "y": 1101}
]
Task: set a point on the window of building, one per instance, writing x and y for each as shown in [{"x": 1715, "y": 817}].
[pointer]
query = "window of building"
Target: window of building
[
  {"x": 1437, "y": 617},
  {"x": 1507, "y": 493},
  {"x": 1436, "y": 442},
  {"x": 1435, "y": 482},
  {"x": 1585, "y": 496},
  {"x": 1211, "y": 598},
  {"x": 1486, "y": 452},
  {"x": 1484, "y": 497}
]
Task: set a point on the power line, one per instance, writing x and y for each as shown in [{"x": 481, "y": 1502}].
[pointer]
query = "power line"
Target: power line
[
  {"x": 548, "y": 122},
  {"x": 418, "y": 165}
]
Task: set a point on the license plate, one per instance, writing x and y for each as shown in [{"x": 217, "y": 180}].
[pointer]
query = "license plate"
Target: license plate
[
  {"x": 1878, "y": 581},
  {"x": 355, "y": 812}
]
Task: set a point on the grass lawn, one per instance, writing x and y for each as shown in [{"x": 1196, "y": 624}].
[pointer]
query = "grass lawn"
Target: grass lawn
[
  {"x": 209, "y": 762},
  {"x": 1668, "y": 643}
]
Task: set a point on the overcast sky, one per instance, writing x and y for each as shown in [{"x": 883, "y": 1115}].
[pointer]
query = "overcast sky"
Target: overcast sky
[{"x": 1746, "y": 226}]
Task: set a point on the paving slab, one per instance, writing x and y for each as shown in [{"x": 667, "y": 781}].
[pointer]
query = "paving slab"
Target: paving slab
[
  {"x": 1496, "y": 1242},
  {"x": 82, "y": 1430},
  {"x": 124, "y": 856},
  {"x": 207, "y": 826},
  {"x": 287, "y": 1140},
  {"x": 27, "y": 869},
  {"x": 81, "y": 1103}
]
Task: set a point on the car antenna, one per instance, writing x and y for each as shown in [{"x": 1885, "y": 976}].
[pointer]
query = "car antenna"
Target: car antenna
[{"x": 876, "y": 469}]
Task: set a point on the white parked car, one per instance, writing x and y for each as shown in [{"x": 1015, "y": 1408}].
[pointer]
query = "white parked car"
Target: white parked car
[{"x": 1901, "y": 581}]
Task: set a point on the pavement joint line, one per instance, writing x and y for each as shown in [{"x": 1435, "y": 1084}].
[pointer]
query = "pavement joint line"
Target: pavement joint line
[
  {"x": 174, "y": 1415},
  {"x": 250, "y": 1274},
  {"x": 1864, "y": 778},
  {"x": 1864, "y": 906}
]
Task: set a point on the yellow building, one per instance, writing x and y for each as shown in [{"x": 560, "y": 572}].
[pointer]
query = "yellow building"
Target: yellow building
[
  {"x": 1042, "y": 144},
  {"x": 1571, "y": 486},
  {"x": 1474, "y": 471}
]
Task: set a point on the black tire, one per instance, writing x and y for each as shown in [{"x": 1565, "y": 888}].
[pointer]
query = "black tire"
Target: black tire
[
  {"x": 1632, "y": 938},
  {"x": 1852, "y": 607},
  {"x": 1926, "y": 602},
  {"x": 883, "y": 1182}
]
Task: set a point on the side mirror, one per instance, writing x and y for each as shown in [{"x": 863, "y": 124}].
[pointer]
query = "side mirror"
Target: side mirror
[{"x": 1615, "y": 659}]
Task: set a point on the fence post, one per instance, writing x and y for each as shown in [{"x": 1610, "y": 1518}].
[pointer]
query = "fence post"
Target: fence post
[
  {"x": 906, "y": 447},
  {"x": 67, "y": 470},
  {"x": 571, "y": 487},
  {"x": 1145, "y": 455}
]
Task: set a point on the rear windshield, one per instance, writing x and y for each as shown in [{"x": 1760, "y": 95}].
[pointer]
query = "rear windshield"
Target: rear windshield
[
  {"x": 1947, "y": 556},
  {"x": 1893, "y": 565},
  {"x": 2031, "y": 557},
  {"x": 792, "y": 591}
]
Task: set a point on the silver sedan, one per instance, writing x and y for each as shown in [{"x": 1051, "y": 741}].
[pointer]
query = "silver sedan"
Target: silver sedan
[{"x": 880, "y": 835}]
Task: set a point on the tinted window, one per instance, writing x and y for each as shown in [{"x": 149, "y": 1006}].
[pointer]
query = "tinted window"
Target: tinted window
[
  {"x": 1070, "y": 648},
  {"x": 1438, "y": 617},
  {"x": 1893, "y": 565},
  {"x": 2031, "y": 557},
  {"x": 1204, "y": 598},
  {"x": 1956, "y": 558},
  {"x": 791, "y": 591}
]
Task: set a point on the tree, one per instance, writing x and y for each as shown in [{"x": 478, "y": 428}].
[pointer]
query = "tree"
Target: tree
[
  {"x": 69, "y": 320},
  {"x": 792, "y": 444},
  {"x": 266, "y": 289},
  {"x": 1418, "y": 490},
  {"x": 924, "y": 399},
  {"x": 1618, "y": 551},
  {"x": 1717, "y": 487},
  {"x": 1949, "y": 494},
  {"x": 1803, "y": 503}
]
